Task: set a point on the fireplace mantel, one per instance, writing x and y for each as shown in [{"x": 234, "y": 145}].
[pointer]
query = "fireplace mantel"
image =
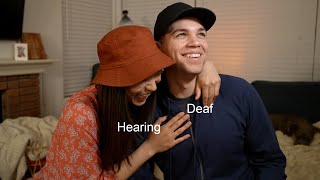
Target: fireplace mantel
[{"x": 12, "y": 67}]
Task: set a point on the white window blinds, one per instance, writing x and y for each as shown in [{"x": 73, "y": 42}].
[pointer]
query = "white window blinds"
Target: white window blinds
[
  {"x": 265, "y": 40},
  {"x": 144, "y": 12},
  {"x": 84, "y": 24}
]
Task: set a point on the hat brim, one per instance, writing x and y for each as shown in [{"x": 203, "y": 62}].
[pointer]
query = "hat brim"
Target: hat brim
[
  {"x": 129, "y": 75},
  {"x": 205, "y": 16}
]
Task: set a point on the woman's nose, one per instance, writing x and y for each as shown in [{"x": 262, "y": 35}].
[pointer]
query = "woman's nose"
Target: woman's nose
[{"x": 152, "y": 85}]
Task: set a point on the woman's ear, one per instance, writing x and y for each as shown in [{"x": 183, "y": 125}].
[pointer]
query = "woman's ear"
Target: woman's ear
[{"x": 158, "y": 44}]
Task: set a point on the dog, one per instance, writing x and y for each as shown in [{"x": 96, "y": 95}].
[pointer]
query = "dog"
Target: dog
[{"x": 297, "y": 127}]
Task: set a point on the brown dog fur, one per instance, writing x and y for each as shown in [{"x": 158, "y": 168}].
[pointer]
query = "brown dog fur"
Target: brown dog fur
[{"x": 297, "y": 127}]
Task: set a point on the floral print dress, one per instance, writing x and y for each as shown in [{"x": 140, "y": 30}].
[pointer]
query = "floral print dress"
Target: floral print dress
[{"x": 73, "y": 153}]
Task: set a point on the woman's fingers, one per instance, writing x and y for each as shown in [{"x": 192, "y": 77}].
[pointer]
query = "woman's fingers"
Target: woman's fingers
[
  {"x": 160, "y": 120},
  {"x": 169, "y": 132},
  {"x": 211, "y": 96},
  {"x": 179, "y": 122},
  {"x": 180, "y": 139},
  {"x": 198, "y": 91},
  {"x": 205, "y": 93},
  {"x": 217, "y": 88},
  {"x": 182, "y": 129},
  {"x": 175, "y": 119},
  {"x": 178, "y": 126}
]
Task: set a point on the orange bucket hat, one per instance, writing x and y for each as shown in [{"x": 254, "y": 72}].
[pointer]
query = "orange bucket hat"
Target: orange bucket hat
[{"x": 128, "y": 55}]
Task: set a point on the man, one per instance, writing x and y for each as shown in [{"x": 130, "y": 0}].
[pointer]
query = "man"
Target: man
[{"x": 232, "y": 139}]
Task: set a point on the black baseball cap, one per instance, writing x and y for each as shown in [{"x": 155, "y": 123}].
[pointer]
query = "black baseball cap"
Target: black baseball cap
[{"x": 178, "y": 11}]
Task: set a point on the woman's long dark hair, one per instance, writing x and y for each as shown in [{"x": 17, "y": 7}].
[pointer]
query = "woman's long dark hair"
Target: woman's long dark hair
[{"x": 113, "y": 107}]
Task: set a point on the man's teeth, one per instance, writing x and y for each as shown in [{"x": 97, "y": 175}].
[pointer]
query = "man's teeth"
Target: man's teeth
[{"x": 193, "y": 55}]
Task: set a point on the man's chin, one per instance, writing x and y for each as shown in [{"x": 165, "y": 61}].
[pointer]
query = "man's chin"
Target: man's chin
[{"x": 196, "y": 71}]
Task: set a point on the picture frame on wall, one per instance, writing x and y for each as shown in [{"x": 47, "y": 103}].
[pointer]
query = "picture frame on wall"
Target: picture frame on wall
[{"x": 21, "y": 51}]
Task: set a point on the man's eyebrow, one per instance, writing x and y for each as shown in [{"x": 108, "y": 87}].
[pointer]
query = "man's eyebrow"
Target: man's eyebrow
[
  {"x": 185, "y": 30},
  {"x": 202, "y": 29},
  {"x": 177, "y": 30}
]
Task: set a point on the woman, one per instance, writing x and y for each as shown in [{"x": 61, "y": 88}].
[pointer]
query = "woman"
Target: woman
[{"x": 99, "y": 132}]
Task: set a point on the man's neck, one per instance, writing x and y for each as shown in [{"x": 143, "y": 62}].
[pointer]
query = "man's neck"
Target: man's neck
[{"x": 180, "y": 85}]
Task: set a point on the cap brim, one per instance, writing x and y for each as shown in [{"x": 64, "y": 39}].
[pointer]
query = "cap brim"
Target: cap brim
[
  {"x": 130, "y": 75},
  {"x": 206, "y": 16}
]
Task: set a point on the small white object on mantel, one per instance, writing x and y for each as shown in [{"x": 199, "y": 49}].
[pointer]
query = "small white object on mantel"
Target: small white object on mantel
[
  {"x": 20, "y": 51},
  {"x": 12, "y": 67}
]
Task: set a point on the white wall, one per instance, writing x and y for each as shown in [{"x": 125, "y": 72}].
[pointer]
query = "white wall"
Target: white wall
[
  {"x": 144, "y": 12},
  {"x": 45, "y": 17},
  {"x": 6, "y": 49},
  {"x": 316, "y": 75}
]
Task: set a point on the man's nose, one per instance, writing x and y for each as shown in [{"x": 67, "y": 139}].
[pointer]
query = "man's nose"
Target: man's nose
[{"x": 194, "y": 41}]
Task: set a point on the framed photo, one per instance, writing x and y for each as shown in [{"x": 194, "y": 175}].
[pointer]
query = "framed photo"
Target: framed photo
[{"x": 21, "y": 51}]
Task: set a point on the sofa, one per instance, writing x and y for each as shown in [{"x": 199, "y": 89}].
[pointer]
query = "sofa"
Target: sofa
[{"x": 300, "y": 99}]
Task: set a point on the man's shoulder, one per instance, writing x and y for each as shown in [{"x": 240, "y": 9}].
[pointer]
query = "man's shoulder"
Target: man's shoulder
[
  {"x": 232, "y": 81},
  {"x": 233, "y": 85}
]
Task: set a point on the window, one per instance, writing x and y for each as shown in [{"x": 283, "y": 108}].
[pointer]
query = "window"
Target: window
[
  {"x": 266, "y": 40},
  {"x": 84, "y": 24}
]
